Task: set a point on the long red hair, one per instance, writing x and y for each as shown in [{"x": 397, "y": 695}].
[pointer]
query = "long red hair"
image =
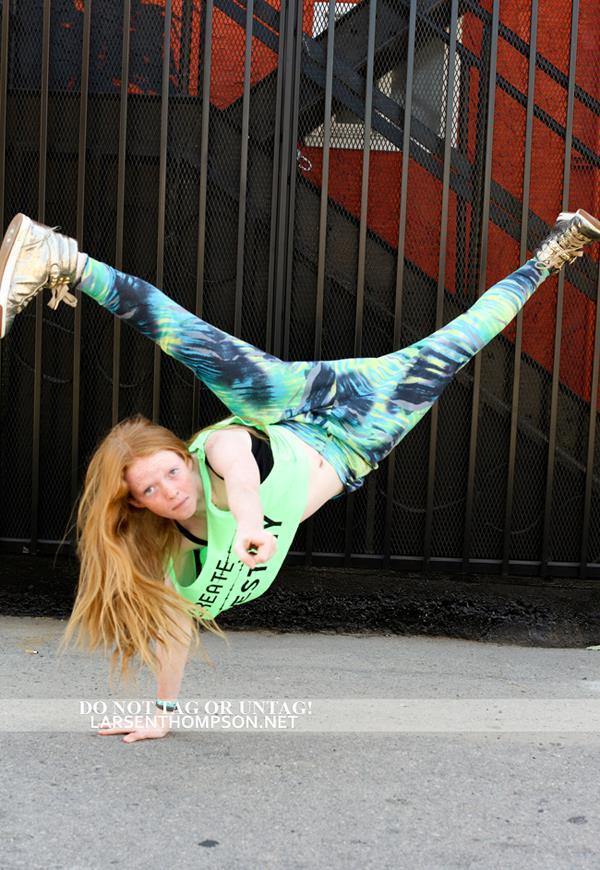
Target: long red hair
[{"x": 123, "y": 603}]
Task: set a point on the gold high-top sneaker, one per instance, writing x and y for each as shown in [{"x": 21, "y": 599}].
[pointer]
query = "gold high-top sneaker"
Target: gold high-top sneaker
[
  {"x": 33, "y": 257},
  {"x": 570, "y": 234}
]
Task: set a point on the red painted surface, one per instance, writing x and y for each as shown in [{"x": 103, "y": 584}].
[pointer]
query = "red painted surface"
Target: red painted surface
[{"x": 424, "y": 191}]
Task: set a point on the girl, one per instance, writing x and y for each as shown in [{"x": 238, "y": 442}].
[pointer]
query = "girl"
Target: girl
[{"x": 171, "y": 534}]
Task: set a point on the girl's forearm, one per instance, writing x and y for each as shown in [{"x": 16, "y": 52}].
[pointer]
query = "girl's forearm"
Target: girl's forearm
[
  {"x": 172, "y": 662},
  {"x": 244, "y": 503}
]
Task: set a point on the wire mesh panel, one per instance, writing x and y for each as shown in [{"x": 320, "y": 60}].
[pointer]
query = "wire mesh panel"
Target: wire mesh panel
[{"x": 325, "y": 180}]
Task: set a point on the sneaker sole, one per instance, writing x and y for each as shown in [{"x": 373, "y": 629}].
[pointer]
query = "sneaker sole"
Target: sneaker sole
[
  {"x": 9, "y": 253},
  {"x": 592, "y": 224}
]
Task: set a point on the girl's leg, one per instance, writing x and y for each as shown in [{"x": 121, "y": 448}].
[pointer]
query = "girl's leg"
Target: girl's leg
[
  {"x": 379, "y": 400},
  {"x": 253, "y": 384}
]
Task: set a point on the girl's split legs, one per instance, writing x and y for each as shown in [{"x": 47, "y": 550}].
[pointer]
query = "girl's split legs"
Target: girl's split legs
[
  {"x": 253, "y": 384},
  {"x": 379, "y": 400},
  {"x": 353, "y": 411}
]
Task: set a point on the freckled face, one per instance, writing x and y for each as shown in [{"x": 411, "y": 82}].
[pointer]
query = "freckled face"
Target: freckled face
[{"x": 164, "y": 484}]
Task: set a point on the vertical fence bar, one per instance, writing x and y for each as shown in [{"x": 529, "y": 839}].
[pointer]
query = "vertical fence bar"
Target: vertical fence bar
[
  {"x": 546, "y": 543},
  {"x": 485, "y": 216},
  {"x": 439, "y": 315},
  {"x": 362, "y": 246},
  {"x": 287, "y": 141},
  {"x": 116, "y": 371},
  {"x": 275, "y": 185},
  {"x": 206, "y": 69},
  {"x": 3, "y": 99},
  {"x": 293, "y": 165},
  {"x": 162, "y": 191},
  {"x": 186, "y": 12},
  {"x": 322, "y": 243},
  {"x": 589, "y": 471},
  {"x": 320, "y": 300},
  {"x": 514, "y": 419},
  {"x": 83, "y": 108},
  {"x": 399, "y": 293},
  {"x": 39, "y": 307},
  {"x": 241, "y": 235}
]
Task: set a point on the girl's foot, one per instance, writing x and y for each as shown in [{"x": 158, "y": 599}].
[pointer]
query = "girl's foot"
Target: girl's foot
[
  {"x": 32, "y": 257},
  {"x": 570, "y": 234}
]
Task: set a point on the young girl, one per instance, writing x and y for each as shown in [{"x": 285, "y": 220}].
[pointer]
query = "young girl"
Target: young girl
[{"x": 170, "y": 534}]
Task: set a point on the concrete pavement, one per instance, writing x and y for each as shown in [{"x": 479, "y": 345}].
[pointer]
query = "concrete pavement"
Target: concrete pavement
[{"x": 498, "y": 798}]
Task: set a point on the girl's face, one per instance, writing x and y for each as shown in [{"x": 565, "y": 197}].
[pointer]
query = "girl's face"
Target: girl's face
[{"x": 165, "y": 484}]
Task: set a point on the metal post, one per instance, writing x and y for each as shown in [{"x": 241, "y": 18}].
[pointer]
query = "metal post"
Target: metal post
[
  {"x": 207, "y": 43},
  {"x": 485, "y": 216},
  {"x": 399, "y": 295},
  {"x": 162, "y": 192},
  {"x": 39, "y": 307},
  {"x": 546, "y": 543},
  {"x": 512, "y": 449},
  {"x": 433, "y": 431},
  {"x": 362, "y": 243},
  {"x": 83, "y": 107},
  {"x": 121, "y": 200}
]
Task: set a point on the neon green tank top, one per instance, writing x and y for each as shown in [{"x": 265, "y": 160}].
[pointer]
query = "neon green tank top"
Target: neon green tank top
[{"x": 224, "y": 580}]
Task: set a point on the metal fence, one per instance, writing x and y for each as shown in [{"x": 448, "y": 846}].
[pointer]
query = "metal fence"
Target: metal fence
[{"x": 324, "y": 180}]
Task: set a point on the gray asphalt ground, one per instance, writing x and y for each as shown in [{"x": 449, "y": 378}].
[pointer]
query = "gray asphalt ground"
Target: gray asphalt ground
[{"x": 446, "y": 798}]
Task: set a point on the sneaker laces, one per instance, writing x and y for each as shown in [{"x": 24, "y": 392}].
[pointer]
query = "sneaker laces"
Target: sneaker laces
[
  {"x": 56, "y": 281},
  {"x": 60, "y": 293}
]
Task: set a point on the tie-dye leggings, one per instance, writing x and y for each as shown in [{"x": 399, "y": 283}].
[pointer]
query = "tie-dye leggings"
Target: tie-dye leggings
[{"x": 353, "y": 411}]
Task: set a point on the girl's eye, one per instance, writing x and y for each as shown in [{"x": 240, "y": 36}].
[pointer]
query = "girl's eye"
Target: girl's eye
[
  {"x": 149, "y": 490},
  {"x": 173, "y": 471}
]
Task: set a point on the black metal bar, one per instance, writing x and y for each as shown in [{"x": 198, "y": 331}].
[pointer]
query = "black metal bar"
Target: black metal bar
[
  {"x": 187, "y": 12},
  {"x": 39, "y": 307},
  {"x": 543, "y": 63},
  {"x": 512, "y": 448},
  {"x": 485, "y": 216},
  {"x": 546, "y": 542},
  {"x": 322, "y": 243},
  {"x": 399, "y": 293},
  {"x": 3, "y": 97},
  {"x": 207, "y": 7},
  {"x": 241, "y": 237},
  {"x": 83, "y": 108},
  {"x": 324, "y": 183},
  {"x": 293, "y": 176},
  {"x": 369, "y": 561},
  {"x": 364, "y": 193},
  {"x": 3, "y": 100},
  {"x": 362, "y": 244},
  {"x": 439, "y": 316},
  {"x": 589, "y": 474},
  {"x": 162, "y": 192},
  {"x": 274, "y": 193},
  {"x": 116, "y": 368},
  {"x": 283, "y": 192}
]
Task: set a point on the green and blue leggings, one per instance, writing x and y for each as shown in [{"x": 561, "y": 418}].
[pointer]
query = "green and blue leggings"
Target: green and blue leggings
[{"x": 353, "y": 411}]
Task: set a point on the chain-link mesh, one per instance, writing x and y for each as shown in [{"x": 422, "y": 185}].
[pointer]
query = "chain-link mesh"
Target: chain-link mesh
[{"x": 239, "y": 256}]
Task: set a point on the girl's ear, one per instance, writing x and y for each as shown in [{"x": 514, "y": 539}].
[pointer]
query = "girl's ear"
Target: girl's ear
[{"x": 132, "y": 501}]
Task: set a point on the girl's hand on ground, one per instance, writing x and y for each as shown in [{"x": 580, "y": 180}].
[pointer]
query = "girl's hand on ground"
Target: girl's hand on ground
[
  {"x": 263, "y": 543},
  {"x": 160, "y": 728}
]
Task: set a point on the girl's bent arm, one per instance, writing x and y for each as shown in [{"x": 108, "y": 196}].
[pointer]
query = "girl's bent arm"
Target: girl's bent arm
[{"x": 229, "y": 452}]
